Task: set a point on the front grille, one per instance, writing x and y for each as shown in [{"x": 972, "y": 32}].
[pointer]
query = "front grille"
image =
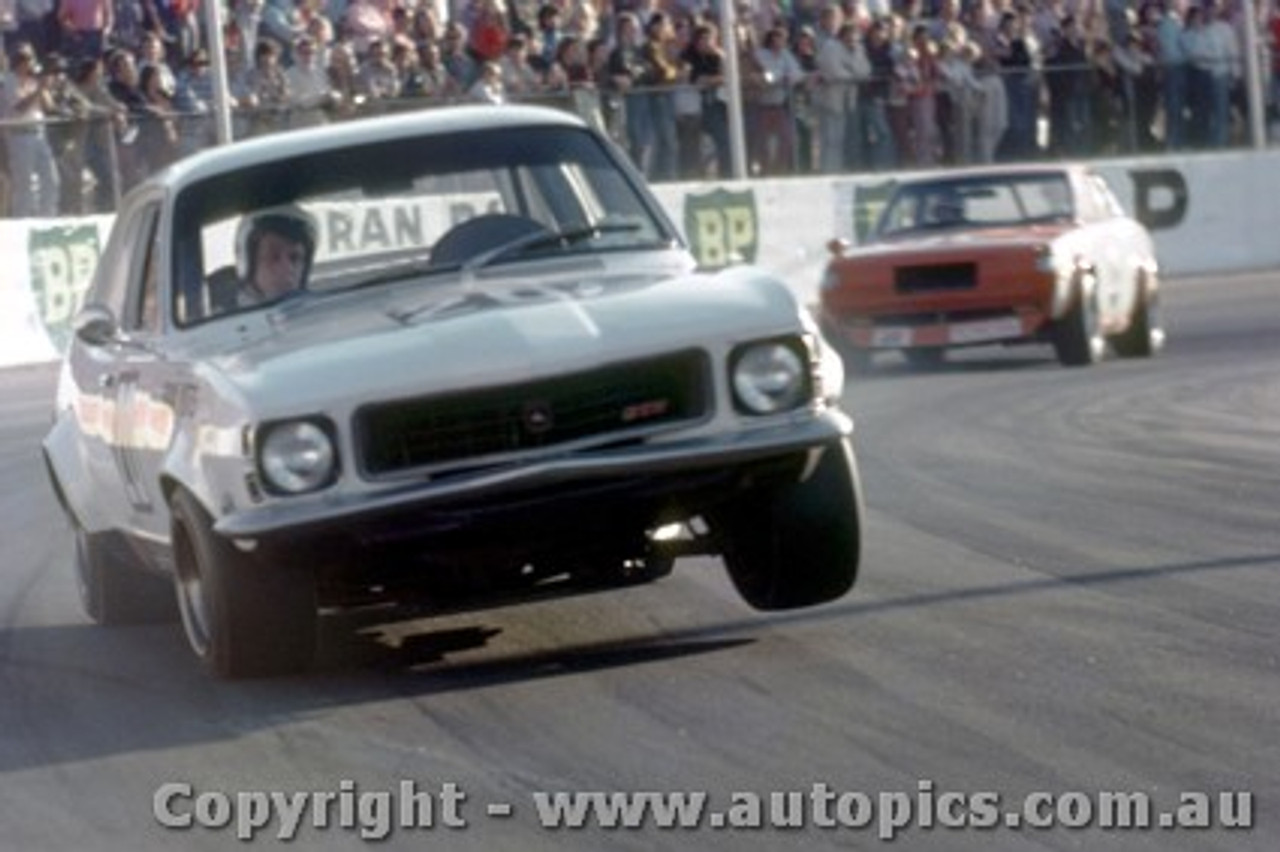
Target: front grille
[
  {"x": 939, "y": 277},
  {"x": 621, "y": 400}
]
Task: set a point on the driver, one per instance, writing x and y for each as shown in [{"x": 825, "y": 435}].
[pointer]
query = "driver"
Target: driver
[{"x": 274, "y": 250}]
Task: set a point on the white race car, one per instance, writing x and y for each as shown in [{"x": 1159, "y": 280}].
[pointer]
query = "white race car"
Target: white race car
[{"x": 498, "y": 375}]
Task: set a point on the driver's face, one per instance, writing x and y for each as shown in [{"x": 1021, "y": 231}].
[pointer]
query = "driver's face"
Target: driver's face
[{"x": 280, "y": 265}]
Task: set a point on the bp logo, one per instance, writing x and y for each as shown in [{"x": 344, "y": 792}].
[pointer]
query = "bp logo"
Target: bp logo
[
  {"x": 868, "y": 201},
  {"x": 62, "y": 262},
  {"x": 722, "y": 227}
]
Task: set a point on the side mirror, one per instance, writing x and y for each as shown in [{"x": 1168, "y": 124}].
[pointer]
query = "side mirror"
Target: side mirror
[
  {"x": 95, "y": 325},
  {"x": 837, "y": 247}
]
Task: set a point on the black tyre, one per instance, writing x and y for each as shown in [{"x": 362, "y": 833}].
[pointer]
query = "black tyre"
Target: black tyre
[
  {"x": 1077, "y": 336},
  {"x": 1144, "y": 336},
  {"x": 799, "y": 545},
  {"x": 114, "y": 589},
  {"x": 243, "y": 617}
]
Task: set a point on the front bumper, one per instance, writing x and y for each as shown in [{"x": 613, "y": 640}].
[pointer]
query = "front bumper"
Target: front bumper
[
  {"x": 939, "y": 329},
  {"x": 652, "y": 471}
]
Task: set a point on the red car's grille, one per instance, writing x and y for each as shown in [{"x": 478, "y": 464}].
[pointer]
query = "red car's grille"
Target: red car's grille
[
  {"x": 934, "y": 278},
  {"x": 620, "y": 399}
]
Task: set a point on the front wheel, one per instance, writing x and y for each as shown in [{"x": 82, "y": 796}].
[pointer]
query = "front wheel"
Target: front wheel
[
  {"x": 1077, "y": 336},
  {"x": 1144, "y": 337},
  {"x": 798, "y": 545},
  {"x": 242, "y": 616}
]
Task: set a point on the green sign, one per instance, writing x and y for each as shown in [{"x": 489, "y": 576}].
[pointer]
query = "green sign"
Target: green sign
[
  {"x": 62, "y": 263},
  {"x": 722, "y": 227}
]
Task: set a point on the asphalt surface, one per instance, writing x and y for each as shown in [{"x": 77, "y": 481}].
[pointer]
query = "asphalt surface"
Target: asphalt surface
[{"x": 1071, "y": 586}]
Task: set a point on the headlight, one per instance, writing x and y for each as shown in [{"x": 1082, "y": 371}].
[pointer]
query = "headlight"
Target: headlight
[
  {"x": 297, "y": 457},
  {"x": 770, "y": 377}
]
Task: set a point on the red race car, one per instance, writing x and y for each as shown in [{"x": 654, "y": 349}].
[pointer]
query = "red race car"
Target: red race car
[{"x": 1002, "y": 255}]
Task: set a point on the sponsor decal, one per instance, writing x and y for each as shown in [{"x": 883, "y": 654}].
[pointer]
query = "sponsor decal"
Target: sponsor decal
[
  {"x": 722, "y": 227},
  {"x": 62, "y": 261}
]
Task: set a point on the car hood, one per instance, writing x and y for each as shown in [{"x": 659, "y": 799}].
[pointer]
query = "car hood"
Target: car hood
[{"x": 371, "y": 345}]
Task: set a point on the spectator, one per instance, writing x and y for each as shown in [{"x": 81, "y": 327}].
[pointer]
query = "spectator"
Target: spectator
[
  {"x": 377, "y": 79},
  {"x": 68, "y": 132},
  {"x": 802, "y": 111},
  {"x": 460, "y": 64},
  {"x": 366, "y": 21},
  {"x": 1070, "y": 85},
  {"x": 922, "y": 93},
  {"x": 106, "y": 117},
  {"x": 157, "y": 128},
  {"x": 342, "y": 80},
  {"x": 488, "y": 29},
  {"x": 659, "y": 80},
  {"x": 193, "y": 102},
  {"x": 963, "y": 95},
  {"x": 874, "y": 99},
  {"x": 266, "y": 97},
  {"x": 844, "y": 66},
  {"x": 993, "y": 109},
  {"x": 311, "y": 94},
  {"x": 488, "y": 88},
  {"x": 547, "y": 38},
  {"x": 1172, "y": 58},
  {"x": 705, "y": 61},
  {"x": 781, "y": 74},
  {"x": 1224, "y": 70},
  {"x": 35, "y": 185},
  {"x": 434, "y": 81},
  {"x": 519, "y": 78},
  {"x": 626, "y": 76},
  {"x": 83, "y": 26},
  {"x": 1017, "y": 53},
  {"x": 36, "y": 28}
]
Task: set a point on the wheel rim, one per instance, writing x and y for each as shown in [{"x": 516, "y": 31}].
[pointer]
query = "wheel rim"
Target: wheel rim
[{"x": 193, "y": 601}]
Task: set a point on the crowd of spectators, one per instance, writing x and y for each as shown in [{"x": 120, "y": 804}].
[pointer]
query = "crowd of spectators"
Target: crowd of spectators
[{"x": 96, "y": 94}]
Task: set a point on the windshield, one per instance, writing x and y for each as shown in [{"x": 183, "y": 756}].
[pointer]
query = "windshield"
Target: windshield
[
  {"x": 978, "y": 202},
  {"x": 404, "y": 209}
]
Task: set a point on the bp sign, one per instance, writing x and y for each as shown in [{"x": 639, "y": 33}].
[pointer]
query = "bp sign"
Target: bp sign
[
  {"x": 722, "y": 227},
  {"x": 62, "y": 262}
]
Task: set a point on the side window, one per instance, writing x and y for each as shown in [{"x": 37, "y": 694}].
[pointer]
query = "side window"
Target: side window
[
  {"x": 122, "y": 267},
  {"x": 142, "y": 312},
  {"x": 1106, "y": 198}
]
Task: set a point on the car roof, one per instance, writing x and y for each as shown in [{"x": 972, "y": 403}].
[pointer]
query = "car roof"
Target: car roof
[
  {"x": 288, "y": 144},
  {"x": 992, "y": 172}
]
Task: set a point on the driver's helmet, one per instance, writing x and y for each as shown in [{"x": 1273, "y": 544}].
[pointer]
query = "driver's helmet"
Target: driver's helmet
[{"x": 289, "y": 221}]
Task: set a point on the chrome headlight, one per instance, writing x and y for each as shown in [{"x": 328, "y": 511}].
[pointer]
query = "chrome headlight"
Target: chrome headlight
[
  {"x": 771, "y": 376},
  {"x": 297, "y": 456}
]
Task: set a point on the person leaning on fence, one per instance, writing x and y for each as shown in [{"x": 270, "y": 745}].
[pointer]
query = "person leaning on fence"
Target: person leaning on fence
[
  {"x": 311, "y": 94},
  {"x": 843, "y": 66}
]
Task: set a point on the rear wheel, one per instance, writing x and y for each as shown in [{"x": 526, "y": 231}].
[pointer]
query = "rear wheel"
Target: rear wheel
[
  {"x": 1077, "y": 336},
  {"x": 114, "y": 589},
  {"x": 242, "y": 616},
  {"x": 798, "y": 545}
]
